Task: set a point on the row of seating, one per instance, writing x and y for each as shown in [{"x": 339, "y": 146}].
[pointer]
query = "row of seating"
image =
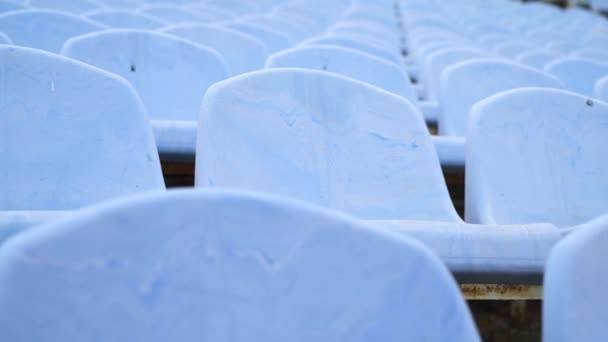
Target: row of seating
[
  {"x": 222, "y": 265},
  {"x": 351, "y": 136}
]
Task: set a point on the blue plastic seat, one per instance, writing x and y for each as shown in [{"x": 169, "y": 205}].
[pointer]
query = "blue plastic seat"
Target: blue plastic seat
[
  {"x": 323, "y": 138},
  {"x": 440, "y": 60},
  {"x": 224, "y": 266},
  {"x": 537, "y": 155},
  {"x": 169, "y": 73},
  {"x": 575, "y": 298},
  {"x": 578, "y": 74},
  {"x": 68, "y": 6},
  {"x": 64, "y": 144},
  {"x": 347, "y": 62},
  {"x": 601, "y": 89},
  {"x": 512, "y": 48},
  {"x": 44, "y": 29},
  {"x": 357, "y": 44},
  {"x": 273, "y": 40},
  {"x": 465, "y": 83},
  {"x": 233, "y": 45},
  {"x": 124, "y": 19}
]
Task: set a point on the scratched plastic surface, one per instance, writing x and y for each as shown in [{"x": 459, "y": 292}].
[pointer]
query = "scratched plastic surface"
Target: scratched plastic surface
[
  {"x": 63, "y": 144},
  {"x": 189, "y": 269},
  {"x": 323, "y": 138},
  {"x": 537, "y": 155}
]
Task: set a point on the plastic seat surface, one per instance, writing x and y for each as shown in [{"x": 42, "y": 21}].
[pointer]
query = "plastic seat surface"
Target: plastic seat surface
[
  {"x": 537, "y": 59},
  {"x": 578, "y": 75},
  {"x": 123, "y": 19},
  {"x": 322, "y": 138},
  {"x": 230, "y": 44},
  {"x": 64, "y": 145},
  {"x": 537, "y": 155},
  {"x": 601, "y": 89},
  {"x": 357, "y": 44},
  {"x": 7, "y": 6},
  {"x": 465, "y": 83},
  {"x": 273, "y": 41},
  {"x": 441, "y": 59},
  {"x": 575, "y": 286},
  {"x": 204, "y": 273},
  {"x": 44, "y": 29},
  {"x": 347, "y": 62},
  {"x": 4, "y": 39},
  {"x": 69, "y": 6},
  {"x": 170, "y": 14},
  {"x": 170, "y": 74}
]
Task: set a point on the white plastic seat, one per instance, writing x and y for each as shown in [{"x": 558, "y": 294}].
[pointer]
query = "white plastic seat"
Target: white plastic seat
[
  {"x": 273, "y": 41},
  {"x": 357, "y": 44},
  {"x": 575, "y": 298},
  {"x": 348, "y": 62},
  {"x": 44, "y": 29},
  {"x": 243, "y": 53},
  {"x": 169, "y": 73},
  {"x": 123, "y": 19},
  {"x": 323, "y": 138},
  {"x": 224, "y": 266},
  {"x": 578, "y": 74},
  {"x": 465, "y": 83},
  {"x": 537, "y": 155},
  {"x": 601, "y": 89}
]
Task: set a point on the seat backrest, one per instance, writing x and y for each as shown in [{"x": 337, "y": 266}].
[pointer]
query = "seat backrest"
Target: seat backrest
[
  {"x": 465, "y": 83},
  {"x": 537, "y": 155},
  {"x": 224, "y": 266},
  {"x": 273, "y": 40},
  {"x": 243, "y": 53},
  {"x": 575, "y": 298},
  {"x": 70, "y": 135},
  {"x": 601, "y": 89},
  {"x": 169, "y": 73},
  {"x": 123, "y": 19},
  {"x": 348, "y": 62},
  {"x": 44, "y": 29},
  {"x": 323, "y": 138},
  {"x": 439, "y": 60},
  {"x": 578, "y": 74},
  {"x": 357, "y": 44}
]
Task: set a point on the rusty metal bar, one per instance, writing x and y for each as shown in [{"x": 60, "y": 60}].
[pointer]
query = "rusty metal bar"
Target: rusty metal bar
[{"x": 501, "y": 292}]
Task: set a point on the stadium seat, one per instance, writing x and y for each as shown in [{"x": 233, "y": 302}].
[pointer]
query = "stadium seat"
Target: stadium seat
[
  {"x": 232, "y": 45},
  {"x": 169, "y": 73},
  {"x": 601, "y": 89},
  {"x": 184, "y": 267},
  {"x": 44, "y": 29},
  {"x": 465, "y": 83},
  {"x": 512, "y": 48},
  {"x": 69, "y": 6},
  {"x": 596, "y": 55},
  {"x": 348, "y": 62},
  {"x": 123, "y": 19},
  {"x": 324, "y": 138},
  {"x": 273, "y": 41},
  {"x": 537, "y": 155},
  {"x": 357, "y": 44},
  {"x": 577, "y": 74},
  {"x": 65, "y": 145},
  {"x": 575, "y": 296},
  {"x": 441, "y": 59}
]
